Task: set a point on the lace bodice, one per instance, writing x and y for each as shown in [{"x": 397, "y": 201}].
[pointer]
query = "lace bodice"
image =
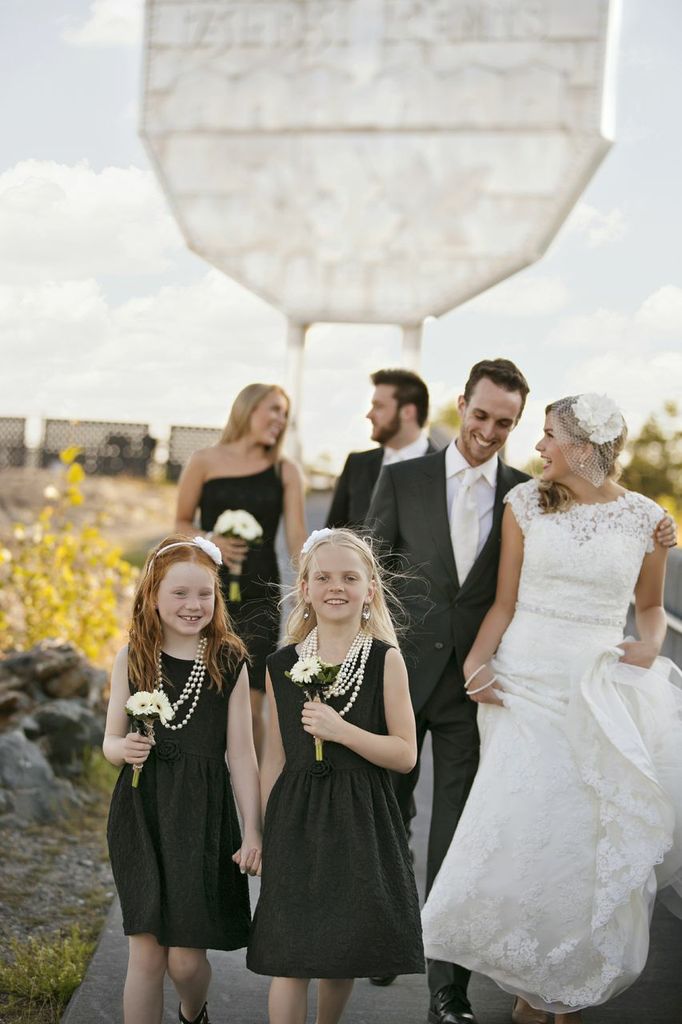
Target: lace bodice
[{"x": 582, "y": 563}]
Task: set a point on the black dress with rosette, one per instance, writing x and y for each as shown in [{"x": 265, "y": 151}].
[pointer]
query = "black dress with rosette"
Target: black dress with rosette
[
  {"x": 338, "y": 897},
  {"x": 172, "y": 838},
  {"x": 256, "y": 616}
]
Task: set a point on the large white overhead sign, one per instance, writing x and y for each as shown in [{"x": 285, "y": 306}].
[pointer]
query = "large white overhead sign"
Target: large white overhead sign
[{"x": 373, "y": 160}]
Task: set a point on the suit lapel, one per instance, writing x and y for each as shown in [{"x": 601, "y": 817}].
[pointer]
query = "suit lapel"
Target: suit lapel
[
  {"x": 433, "y": 494},
  {"x": 372, "y": 468}
]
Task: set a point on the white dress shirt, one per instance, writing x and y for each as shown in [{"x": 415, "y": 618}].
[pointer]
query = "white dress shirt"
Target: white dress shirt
[
  {"x": 409, "y": 451},
  {"x": 483, "y": 490}
]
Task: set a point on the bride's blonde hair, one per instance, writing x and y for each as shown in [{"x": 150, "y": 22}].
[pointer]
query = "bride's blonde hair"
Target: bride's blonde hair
[{"x": 379, "y": 625}]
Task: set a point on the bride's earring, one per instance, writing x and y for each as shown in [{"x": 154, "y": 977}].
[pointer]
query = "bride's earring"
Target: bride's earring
[
  {"x": 365, "y": 613},
  {"x": 306, "y": 613}
]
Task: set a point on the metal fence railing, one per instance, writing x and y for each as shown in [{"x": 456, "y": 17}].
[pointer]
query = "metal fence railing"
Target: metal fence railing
[
  {"x": 183, "y": 442},
  {"x": 12, "y": 441},
  {"x": 109, "y": 448}
]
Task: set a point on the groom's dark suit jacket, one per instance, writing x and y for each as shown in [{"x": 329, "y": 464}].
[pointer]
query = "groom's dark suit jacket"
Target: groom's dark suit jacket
[
  {"x": 354, "y": 487},
  {"x": 409, "y": 516}
]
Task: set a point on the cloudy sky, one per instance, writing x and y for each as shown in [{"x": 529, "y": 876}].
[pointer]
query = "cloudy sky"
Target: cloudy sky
[{"x": 104, "y": 315}]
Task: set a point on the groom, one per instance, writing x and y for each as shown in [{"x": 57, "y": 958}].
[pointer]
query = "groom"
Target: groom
[{"x": 441, "y": 516}]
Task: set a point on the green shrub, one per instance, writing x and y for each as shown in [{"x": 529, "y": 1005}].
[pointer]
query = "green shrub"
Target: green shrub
[
  {"x": 61, "y": 580},
  {"x": 42, "y": 974}
]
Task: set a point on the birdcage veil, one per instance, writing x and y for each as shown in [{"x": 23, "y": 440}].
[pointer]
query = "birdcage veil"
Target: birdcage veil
[{"x": 590, "y": 431}]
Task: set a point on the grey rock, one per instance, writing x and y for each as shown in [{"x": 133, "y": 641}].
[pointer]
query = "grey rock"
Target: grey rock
[
  {"x": 30, "y": 790},
  {"x": 53, "y": 669},
  {"x": 66, "y": 729}
]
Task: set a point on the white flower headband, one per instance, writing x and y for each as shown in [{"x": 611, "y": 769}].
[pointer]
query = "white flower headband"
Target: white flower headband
[
  {"x": 599, "y": 417},
  {"x": 315, "y": 536},
  {"x": 207, "y": 546}
]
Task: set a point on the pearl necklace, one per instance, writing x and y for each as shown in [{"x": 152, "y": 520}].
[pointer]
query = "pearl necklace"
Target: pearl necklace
[
  {"x": 352, "y": 671},
  {"x": 191, "y": 689}
]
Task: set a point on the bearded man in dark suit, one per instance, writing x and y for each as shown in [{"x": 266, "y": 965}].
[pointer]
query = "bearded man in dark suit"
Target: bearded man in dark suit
[
  {"x": 398, "y": 413},
  {"x": 416, "y": 514}
]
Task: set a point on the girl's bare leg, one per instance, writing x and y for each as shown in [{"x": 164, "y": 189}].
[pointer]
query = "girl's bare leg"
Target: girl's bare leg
[
  {"x": 257, "y": 702},
  {"x": 332, "y": 996},
  {"x": 190, "y": 972},
  {"x": 288, "y": 1000},
  {"x": 143, "y": 990}
]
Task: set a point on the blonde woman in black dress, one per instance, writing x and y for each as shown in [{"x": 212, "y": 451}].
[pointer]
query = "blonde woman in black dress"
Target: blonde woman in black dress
[{"x": 246, "y": 470}]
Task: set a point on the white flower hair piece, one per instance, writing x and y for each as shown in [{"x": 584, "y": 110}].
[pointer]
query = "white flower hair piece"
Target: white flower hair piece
[
  {"x": 315, "y": 537},
  {"x": 207, "y": 546},
  {"x": 599, "y": 417},
  {"x": 211, "y": 549}
]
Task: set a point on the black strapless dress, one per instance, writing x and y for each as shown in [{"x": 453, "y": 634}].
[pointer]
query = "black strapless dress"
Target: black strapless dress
[{"x": 256, "y": 616}]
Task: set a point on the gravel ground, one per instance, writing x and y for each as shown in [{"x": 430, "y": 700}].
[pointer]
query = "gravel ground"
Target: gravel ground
[{"x": 56, "y": 875}]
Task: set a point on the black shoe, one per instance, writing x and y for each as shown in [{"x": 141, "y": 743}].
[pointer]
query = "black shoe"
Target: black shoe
[
  {"x": 201, "y": 1019},
  {"x": 384, "y": 979},
  {"x": 448, "y": 1007}
]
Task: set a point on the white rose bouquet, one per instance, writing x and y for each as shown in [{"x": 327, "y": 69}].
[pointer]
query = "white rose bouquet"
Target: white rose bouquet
[
  {"x": 238, "y": 523},
  {"x": 314, "y": 676},
  {"x": 146, "y": 707}
]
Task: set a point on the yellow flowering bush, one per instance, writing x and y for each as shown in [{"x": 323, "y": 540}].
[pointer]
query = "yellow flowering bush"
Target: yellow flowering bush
[{"x": 60, "y": 580}]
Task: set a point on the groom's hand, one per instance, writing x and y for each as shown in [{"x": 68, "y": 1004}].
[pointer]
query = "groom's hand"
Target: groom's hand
[{"x": 666, "y": 532}]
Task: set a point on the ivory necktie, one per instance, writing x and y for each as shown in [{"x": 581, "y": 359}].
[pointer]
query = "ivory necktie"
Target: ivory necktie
[{"x": 464, "y": 526}]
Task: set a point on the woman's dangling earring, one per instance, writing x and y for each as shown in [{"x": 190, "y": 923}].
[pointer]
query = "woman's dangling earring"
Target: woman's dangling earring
[
  {"x": 365, "y": 613},
  {"x": 306, "y": 613}
]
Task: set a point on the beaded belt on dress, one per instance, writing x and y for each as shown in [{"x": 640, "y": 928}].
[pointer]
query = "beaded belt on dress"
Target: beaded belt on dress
[{"x": 589, "y": 620}]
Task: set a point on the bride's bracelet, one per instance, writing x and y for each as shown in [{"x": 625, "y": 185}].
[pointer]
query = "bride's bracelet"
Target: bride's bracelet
[
  {"x": 474, "y": 674},
  {"x": 480, "y": 689}
]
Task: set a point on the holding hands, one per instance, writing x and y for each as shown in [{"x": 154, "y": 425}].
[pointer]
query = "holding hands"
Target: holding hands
[{"x": 248, "y": 856}]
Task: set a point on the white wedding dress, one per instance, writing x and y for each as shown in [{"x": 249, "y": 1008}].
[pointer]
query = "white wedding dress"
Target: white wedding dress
[{"x": 575, "y": 815}]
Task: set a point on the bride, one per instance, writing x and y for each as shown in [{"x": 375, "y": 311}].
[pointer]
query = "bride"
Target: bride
[{"x": 575, "y": 815}]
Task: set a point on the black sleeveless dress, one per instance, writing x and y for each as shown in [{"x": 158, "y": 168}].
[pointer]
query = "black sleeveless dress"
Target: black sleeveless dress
[
  {"x": 338, "y": 897},
  {"x": 256, "y": 616},
  {"x": 172, "y": 838}
]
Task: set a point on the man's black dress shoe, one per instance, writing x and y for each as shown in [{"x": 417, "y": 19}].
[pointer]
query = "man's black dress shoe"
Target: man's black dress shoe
[
  {"x": 384, "y": 979},
  {"x": 448, "y": 1009}
]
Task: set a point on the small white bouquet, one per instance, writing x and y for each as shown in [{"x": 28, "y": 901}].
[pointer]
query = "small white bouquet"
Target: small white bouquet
[
  {"x": 146, "y": 707},
  {"x": 238, "y": 523},
  {"x": 314, "y": 677}
]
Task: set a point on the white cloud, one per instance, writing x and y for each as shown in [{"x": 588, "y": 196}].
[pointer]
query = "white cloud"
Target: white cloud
[
  {"x": 108, "y": 23},
  {"x": 662, "y": 311},
  {"x": 599, "y": 228},
  {"x": 603, "y": 330},
  {"x": 178, "y": 355},
  {"x": 64, "y": 222},
  {"x": 534, "y": 295},
  {"x": 640, "y": 384}
]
